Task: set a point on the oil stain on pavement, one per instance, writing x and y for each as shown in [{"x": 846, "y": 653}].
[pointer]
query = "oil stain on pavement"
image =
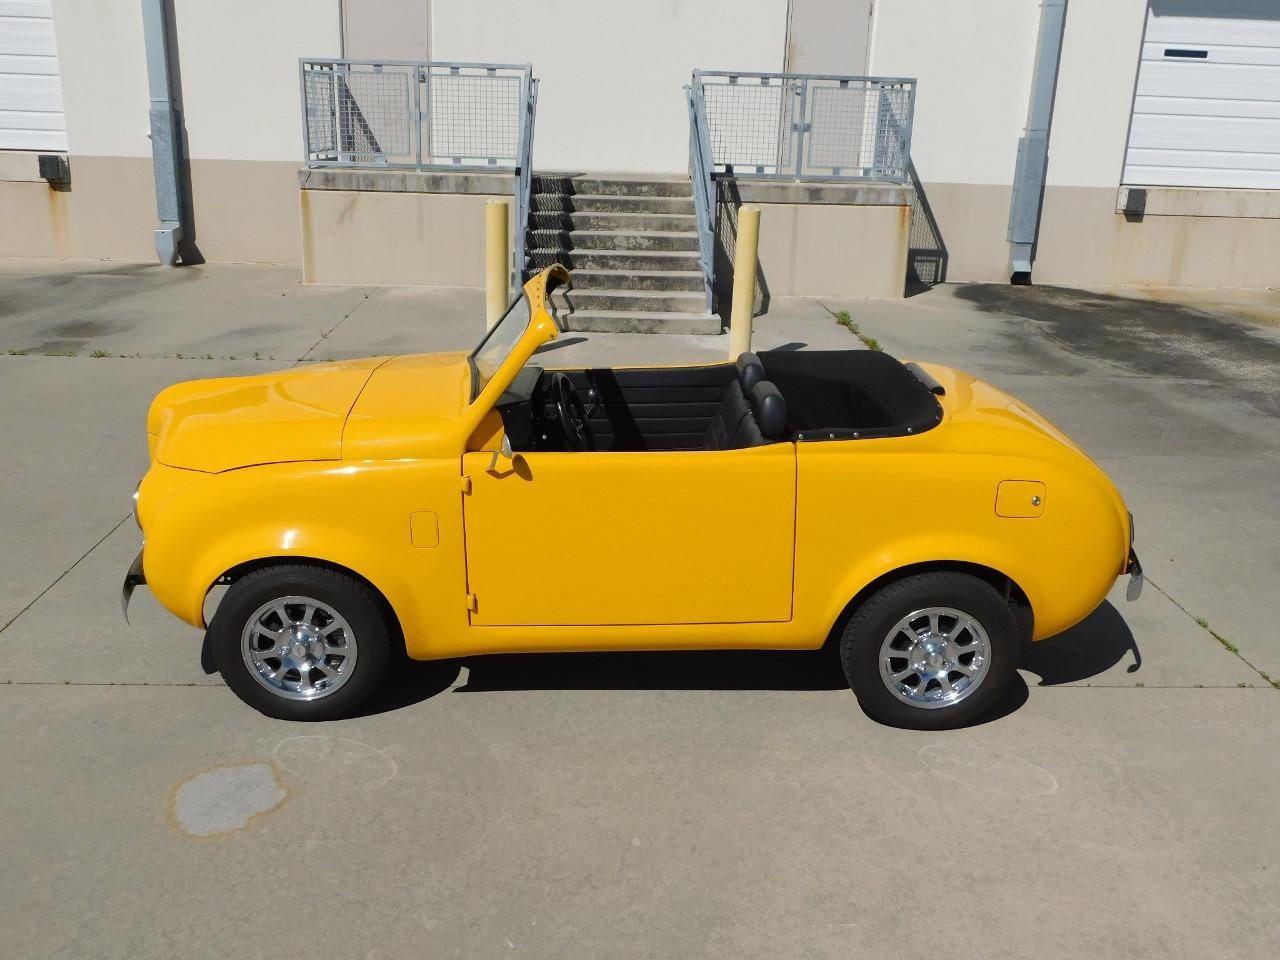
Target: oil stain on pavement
[
  {"x": 226, "y": 799},
  {"x": 1148, "y": 337}
]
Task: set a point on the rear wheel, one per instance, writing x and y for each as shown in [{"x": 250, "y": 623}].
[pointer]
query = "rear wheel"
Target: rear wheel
[
  {"x": 931, "y": 651},
  {"x": 301, "y": 643}
]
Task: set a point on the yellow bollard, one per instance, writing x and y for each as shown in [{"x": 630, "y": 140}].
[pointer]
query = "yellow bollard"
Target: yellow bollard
[
  {"x": 497, "y": 259},
  {"x": 744, "y": 281}
]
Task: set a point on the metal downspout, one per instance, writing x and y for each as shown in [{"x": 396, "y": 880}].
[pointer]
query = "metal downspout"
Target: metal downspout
[
  {"x": 165, "y": 126},
  {"x": 1033, "y": 149}
]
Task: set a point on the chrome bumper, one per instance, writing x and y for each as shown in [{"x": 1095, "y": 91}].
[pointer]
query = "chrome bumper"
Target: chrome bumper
[
  {"x": 132, "y": 579},
  {"x": 1135, "y": 577}
]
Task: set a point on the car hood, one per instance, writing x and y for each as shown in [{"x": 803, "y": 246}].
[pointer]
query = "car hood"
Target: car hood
[
  {"x": 380, "y": 408},
  {"x": 216, "y": 425}
]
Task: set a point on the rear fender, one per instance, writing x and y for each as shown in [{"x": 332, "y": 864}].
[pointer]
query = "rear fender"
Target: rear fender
[{"x": 909, "y": 556}]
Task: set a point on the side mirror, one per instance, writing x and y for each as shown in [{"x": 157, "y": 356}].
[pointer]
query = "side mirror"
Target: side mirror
[{"x": 504, "y": 451}]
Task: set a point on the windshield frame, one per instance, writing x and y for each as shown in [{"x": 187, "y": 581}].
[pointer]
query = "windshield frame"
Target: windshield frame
[{"x": 477, "y": 385}]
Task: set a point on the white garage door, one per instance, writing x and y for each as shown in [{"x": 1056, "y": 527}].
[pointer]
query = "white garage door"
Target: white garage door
[
  {"x": 1207, "y": 108},
  {"x": 30, "y": 92}
]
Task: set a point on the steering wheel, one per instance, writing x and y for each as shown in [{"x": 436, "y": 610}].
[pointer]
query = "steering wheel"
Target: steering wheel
[{"x": 570, "y": 412}]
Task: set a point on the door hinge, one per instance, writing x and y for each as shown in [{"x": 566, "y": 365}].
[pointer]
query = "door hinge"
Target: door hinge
[
  {"x": 465, "y": 484},
  {"x": 471, "y": 602}
]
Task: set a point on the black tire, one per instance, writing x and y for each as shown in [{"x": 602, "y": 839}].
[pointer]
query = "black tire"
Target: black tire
[
  {"x": 354, "y": 600},
  {"x": 867, "y": 629}
]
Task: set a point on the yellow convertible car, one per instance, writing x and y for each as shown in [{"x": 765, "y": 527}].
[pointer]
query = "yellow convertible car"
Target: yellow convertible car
[{"x": 455, "y": 504}]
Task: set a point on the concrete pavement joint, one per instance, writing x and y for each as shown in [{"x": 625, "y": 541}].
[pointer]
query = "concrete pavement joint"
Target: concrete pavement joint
[
  {"x": 58, "y": 579},
  {"x": 457, "y": 687},
  {"x": 844, "y": 319},
  {"x": 109, "y": 683},
  {"x": 324, "y": 335},
  {"x": 1230, "y": 647}
]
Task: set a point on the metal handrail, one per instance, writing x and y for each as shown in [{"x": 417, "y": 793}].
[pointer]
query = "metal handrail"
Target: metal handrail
[
  {"x": 524, "y": 184},
  {"x": 704, "y": 188},
  {"x": 765, "y": 75}
]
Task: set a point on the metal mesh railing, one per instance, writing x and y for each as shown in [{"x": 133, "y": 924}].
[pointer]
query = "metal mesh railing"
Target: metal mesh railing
[
  {"x": 807, "y": 126},
  {"x": 412, "y": 114}
]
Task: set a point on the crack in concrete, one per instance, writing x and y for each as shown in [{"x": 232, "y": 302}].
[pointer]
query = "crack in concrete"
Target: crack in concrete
[
  {"x": 369, "y": 292},
  {"x": 60, "y": 576},
  {"x": 1234, "y": 650},
  {"x": 111, "y": 683},
  {"x": 195, "y": 684}
]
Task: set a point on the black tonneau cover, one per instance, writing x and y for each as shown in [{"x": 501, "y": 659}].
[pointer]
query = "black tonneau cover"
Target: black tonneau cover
[{"x": 851, "y": 394}]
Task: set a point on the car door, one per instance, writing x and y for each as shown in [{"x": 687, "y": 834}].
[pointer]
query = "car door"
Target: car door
[{"x": 631, "y": 537}]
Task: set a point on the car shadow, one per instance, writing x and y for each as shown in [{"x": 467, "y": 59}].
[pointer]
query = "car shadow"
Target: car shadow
[
  {"x": 1090, "y": 648},
  {"x": 1093, "y": 646},
  {"x": 691, "y": 670},
  {"x": 411, "y": 682}
]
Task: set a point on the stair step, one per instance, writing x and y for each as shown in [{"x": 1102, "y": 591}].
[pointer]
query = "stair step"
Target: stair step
[
  {"x": 641, "y": 321},
  {"x": 561, "y": 220},
  {"x": 623, "y": 186},
  {"x": 665, "y": 281},
  {"x": 646, "y": 301},
  {"x": 540, "y": 239},
  {"x": 609, "y": 203},
  {"x": 617, "y": 259}
]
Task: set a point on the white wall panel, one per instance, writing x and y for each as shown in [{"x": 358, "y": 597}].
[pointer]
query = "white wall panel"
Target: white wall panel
[
  {"x": 1198, "y": 107},
  {"x": 30, "y": 94},
  {"x": 1207, "y": 107},
  {"x": 26, "y": 92}
]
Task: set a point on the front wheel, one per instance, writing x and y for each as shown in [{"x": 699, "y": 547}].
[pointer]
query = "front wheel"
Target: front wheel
[
  {"x": 301, "y": 643},
  {"x": 930, "y": 652}
]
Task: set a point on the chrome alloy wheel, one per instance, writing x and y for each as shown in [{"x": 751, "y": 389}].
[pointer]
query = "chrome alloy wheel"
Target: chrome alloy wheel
[
  {"x": 935, "y": 657},
  {"x": 298, "y": 648}
]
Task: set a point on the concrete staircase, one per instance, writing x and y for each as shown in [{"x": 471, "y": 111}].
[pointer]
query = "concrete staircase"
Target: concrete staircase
[{"x": 632, "y": 244}]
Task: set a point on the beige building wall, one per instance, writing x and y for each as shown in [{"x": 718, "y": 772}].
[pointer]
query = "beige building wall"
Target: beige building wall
[
  {"x": 393, "y": 238},
  {"x": 974, "y": 66},
  {"x": 612, "y": 72},
  {"x": 108, "y": 213},
  {"x": 1197, "y": 238},
  {"x": 238, "y": 67},
  {"x": 108, "y": 210},
  {"x": 833, "y": 250},
  {"x": 392, "y": 29},
  {"x": 1084, "y": 241},
  {"x": 829, "y": 36},
  {"x": 973, "y": 63}
]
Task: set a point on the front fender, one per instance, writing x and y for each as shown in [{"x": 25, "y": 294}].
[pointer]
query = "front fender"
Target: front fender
[
  {"x": 358, "y": 516},
  {"x": 190, "y": 575}
]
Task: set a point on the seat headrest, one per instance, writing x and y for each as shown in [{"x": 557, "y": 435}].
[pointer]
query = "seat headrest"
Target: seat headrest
[
  {"x": 769, "y": 409},
  {"x": 750, "y": 371}
]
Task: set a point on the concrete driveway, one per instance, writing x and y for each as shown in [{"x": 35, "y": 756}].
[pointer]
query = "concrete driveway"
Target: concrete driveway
[{"x": 1120, "y": 803}]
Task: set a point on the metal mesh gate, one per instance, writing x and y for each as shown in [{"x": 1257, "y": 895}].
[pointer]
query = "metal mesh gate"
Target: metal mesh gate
[
  {"x": 412, "y": 114},
  {"x": 808, "y": 126}
]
